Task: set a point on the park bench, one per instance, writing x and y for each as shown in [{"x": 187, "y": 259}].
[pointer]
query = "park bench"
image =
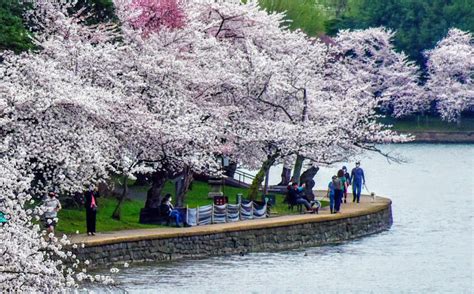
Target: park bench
[
  {"x": 291, "y": 207},
  {"x": 159, "y": 216}
]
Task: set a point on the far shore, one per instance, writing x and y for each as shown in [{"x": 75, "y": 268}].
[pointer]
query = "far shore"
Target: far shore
[{"x": 443, "y": 137}]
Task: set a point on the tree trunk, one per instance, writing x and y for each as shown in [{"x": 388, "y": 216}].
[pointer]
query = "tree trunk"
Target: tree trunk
[
  {"x": 265, "y": 187},
  {"x": 307, "y": 178},
  {"x": 257, "y": 181},
  {"x": 142, "y": 179},
  {"x": 285, "y": 176},
  {"x": 187, "y": 180},
  {"x": 117, "y": 212},
  {"x": 298, "y": 167},
  {"x": 309, "y": 174},
  {"x": 154, "y": 197}
]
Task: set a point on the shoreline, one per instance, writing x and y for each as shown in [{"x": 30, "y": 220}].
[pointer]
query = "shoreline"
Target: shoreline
[
  {"x": 441, "y": 137},
  {"x": 270, "y": 234}
]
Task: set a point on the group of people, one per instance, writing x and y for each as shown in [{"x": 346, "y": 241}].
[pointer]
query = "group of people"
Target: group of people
[
  {"x": 296, "y": 196},
  {"x": 337, "y": 193},
  {"x": 339, "y": 184},
  {"x": 51, "y": 206}
]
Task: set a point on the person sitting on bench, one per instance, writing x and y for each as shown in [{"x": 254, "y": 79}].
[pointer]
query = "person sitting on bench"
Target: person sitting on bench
[
  {"x": 167, "y": 208},
  {"x": 295, "y": 196}
]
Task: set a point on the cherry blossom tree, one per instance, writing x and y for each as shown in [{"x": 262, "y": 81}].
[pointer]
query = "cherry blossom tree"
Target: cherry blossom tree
[
  {"x": 55, "y": 122},
  {"x": 152, "y": 124},
  {"x": 450, "y": 68},
  {"x": 394, "y": 80},
  {"x": 161, "y": 74},
  {"x": 53, "y": 135},
  {"x": 42, "y": 136},
  {"x": 288, "y": 91},
  {"x": 179, "y": 84},
  {"x": 29, "y": 259}
]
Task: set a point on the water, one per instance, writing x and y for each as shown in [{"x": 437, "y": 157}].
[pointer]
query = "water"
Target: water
[{"x": 429, "y": 248}]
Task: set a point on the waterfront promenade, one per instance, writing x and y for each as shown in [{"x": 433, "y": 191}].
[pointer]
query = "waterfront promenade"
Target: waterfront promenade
[{"x": 349, "y": 210}]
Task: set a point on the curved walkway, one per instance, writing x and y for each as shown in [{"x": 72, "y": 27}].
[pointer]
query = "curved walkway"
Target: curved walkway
[{"x": 367, "y": 206}]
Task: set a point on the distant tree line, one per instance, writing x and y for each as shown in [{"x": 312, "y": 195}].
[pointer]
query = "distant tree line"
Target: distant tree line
[{"x": 419, "y": 24}]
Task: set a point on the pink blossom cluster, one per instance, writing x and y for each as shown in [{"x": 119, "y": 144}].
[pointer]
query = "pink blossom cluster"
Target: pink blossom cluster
[{"x": 150, "y": 16}]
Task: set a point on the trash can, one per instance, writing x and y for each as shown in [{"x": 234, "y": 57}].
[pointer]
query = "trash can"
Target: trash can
[
  {"x": 239, "y": 198},
  {"x": 269, "y": 199},
  {"x": 220, "y": 200}
]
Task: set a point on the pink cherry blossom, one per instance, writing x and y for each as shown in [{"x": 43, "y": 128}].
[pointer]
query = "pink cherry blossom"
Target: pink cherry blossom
[{"x": 150, "y": 16}]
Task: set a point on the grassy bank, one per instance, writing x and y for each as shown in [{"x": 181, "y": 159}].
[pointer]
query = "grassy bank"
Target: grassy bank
[
  {"x": 72, "y": 220},
  {"x": 429, "y": 124}
]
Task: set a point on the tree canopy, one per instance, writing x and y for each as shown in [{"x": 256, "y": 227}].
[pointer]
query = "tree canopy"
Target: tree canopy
[{"x": 419, "y": 24}]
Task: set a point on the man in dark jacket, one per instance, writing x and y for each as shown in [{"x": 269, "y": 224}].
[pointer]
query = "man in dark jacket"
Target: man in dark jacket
[
  {"x": 357, "y": 180},
  {"x": 348, "y": 181},
  {"x": 295, "y": 196}
]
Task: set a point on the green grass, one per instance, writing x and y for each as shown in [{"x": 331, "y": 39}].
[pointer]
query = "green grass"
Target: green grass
[
  {"x": 429, "y": 124},
  {"x": 72, "y": 220},
  {"x": 302, "y": 14}
]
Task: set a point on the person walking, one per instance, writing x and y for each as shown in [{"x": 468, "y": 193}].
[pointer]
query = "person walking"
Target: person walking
[
  {"x": 357, "y": 180},
  {"x": 51, "y": 206},
  {"x": 338, "y": 191},
  {"x": 342, "y": 176},
  {"x": 331, "y": 193},
  {"x": 347, "y": 183},
  {"x": 91, "y": 205}
]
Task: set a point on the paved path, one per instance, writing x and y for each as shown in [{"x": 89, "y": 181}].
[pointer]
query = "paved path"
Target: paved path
[{"x": 367, "y": 205}]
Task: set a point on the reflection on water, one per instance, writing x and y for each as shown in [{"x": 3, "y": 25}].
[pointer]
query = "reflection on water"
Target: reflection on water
[{"x": 429, "y": 248}]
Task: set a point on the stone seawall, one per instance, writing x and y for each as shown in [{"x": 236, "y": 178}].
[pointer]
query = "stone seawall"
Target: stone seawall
[{"x": 280, "y": 233}]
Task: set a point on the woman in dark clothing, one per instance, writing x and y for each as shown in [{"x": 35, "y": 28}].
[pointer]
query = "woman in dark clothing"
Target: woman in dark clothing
[
  {"x": 348, "y": 182},
  {"x": 338, "y": 190},
  {"x": 167, "y": 207},
  {"x": 91, "y": 209}
]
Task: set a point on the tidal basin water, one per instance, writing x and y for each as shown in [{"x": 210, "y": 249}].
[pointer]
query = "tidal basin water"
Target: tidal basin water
[{"x": 429, "y": 248}]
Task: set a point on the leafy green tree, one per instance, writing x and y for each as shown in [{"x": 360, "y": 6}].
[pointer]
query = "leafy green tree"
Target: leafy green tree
[
  {"x": 307, "y": 15},
  {"x": 13, "y": 33},
  {"x": 420, "y": 24}
]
